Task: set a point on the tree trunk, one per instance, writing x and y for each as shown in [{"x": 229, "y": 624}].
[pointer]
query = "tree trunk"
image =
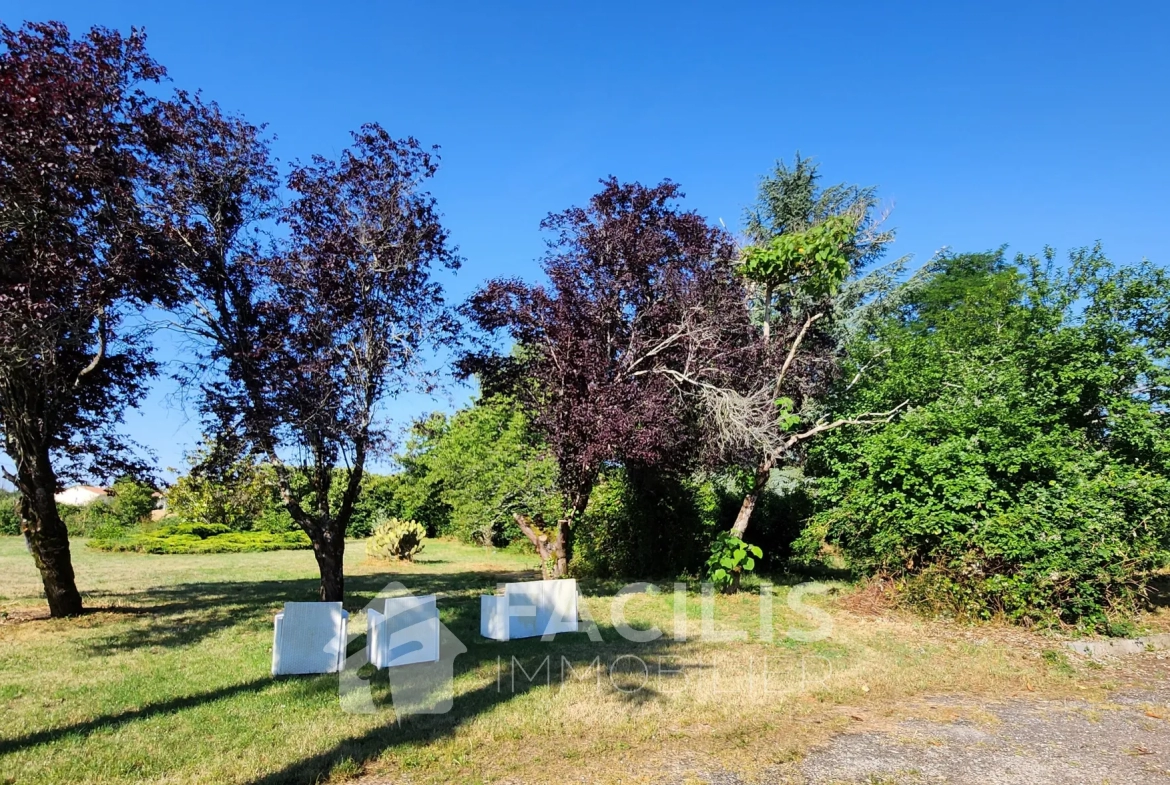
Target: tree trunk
[
  {"x": 329, "y": 548},
  {"x": 46, "y": 535},
  {"x": 759, "y": 482},
  {"x": 562, "y": 546},
  {"x": 553, "y": 551}
]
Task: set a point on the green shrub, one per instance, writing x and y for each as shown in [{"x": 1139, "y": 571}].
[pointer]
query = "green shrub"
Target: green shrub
[
  {"x": 201, "y": 538},
  {"x": 9, "y": 515},
  {"x": 377, "y": 493},
  {"x": 395, "y": 539},
  {"x": 1029, "y": 480},
  {"x": 731, "y": 558},
  {"x": 85, "y": 521},
  {"x": 648, "y": 525},
  {"x": 132, "y": 502},
  {"x": 233, "y": 488},
  {"x": 275, "y": 520},
  {"x": 645, "y": 524}
]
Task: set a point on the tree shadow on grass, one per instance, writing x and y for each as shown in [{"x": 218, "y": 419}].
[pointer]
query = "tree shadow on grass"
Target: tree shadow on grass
[
  {"x": 185, "y": 614},
  {"x": 521, "y": 667},
  {"x": 111, "y": 721}
]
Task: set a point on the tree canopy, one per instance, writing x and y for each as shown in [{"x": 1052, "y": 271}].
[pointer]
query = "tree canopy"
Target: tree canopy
[
  {"x": 78, "y": 259},
  {"x": 1028, "y": 476}
]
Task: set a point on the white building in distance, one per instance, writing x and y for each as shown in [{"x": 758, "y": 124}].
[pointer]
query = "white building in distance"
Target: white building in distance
[{"x": 81, "y": 495}]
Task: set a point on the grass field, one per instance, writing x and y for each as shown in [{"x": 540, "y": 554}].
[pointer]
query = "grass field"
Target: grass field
[{"x": 167, "y": 679}]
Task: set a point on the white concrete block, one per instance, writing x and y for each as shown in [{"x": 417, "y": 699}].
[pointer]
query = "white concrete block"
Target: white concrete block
[
  {"x": 309, "y": 637},
  {"x": 404, "y": 632}
]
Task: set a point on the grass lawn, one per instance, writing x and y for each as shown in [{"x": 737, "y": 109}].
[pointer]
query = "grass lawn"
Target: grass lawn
[{"x": 167, "y": 679}]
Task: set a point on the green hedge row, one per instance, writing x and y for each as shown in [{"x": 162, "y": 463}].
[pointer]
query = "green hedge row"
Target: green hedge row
[{"x": 202, "y": 538}]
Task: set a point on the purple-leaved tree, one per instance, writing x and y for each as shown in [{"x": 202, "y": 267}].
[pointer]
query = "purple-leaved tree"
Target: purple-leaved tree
[
  {"x": 77, "y": 260},
  {"x": 628, "y": 276},
  {"x": 305, "y": 337}
]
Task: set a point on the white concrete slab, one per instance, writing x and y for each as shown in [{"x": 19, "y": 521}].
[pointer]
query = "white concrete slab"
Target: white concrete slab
[
  {"x": 309, "y": 637},
  {"x": 404, "y": 632}
]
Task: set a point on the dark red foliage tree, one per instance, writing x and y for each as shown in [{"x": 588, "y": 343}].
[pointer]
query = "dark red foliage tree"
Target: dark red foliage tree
[
  {"x": 76, "y": 259},
  {"x": 629, "y": 276},
  {"x": 305, "y": 338}
]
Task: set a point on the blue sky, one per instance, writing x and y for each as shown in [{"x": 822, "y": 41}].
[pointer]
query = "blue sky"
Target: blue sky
[{"x": 982, "y": 123}]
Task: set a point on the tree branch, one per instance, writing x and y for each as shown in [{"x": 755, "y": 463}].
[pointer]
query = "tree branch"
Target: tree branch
[
  {"x": 101, "y": 352},
  {"x": 869, "y": 418},
  {"x": 539, "y": 541},
  {"x": 864, "y": 368},
  {"x": 792, "y": 352}
]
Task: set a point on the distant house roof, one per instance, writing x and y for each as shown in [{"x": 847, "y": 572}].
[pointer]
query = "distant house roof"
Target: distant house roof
[{"x": 81, "y": 494}]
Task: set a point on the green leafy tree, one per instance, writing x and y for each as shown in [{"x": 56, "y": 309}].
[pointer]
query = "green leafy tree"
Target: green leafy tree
[
  {"x": 132, "y": 502},
  {"x": 229, "y": 490},
  {"x": 481, "y": 468},
  {"x": 806, "y": 243},
  {"x": 1029, "y": 478}
]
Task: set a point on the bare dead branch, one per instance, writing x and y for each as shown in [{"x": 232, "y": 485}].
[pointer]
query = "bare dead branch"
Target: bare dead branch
[
  {"x": 101, "y": 350},
  {"x": 861, "y": 371},
  {"x": 792, "y": 352},
  {"x": 869, "y": 418}
]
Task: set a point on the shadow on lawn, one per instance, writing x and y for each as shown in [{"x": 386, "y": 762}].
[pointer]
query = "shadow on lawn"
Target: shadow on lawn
[
  {"x": 111, "y": 721},
  {"x": 576, "y": 649},
  {"x": 184, "y": 614}
]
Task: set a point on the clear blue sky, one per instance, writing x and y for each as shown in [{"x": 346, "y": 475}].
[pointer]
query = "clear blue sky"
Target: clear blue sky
[{"x": 984, "y": 123}]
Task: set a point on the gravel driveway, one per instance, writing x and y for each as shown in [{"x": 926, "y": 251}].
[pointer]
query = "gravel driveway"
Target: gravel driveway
[{"x": 1014, "y": 742}]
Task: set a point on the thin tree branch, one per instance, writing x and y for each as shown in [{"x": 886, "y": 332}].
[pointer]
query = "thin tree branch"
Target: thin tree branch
[
  {"x": 792, "y": 352},
  {"x": 101, "y": 351},
  {"x": 869, "y": 418}
]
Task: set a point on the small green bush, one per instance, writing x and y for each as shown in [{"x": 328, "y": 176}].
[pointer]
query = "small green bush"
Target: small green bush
[
  {"x": 395, "y": 539},
  {"x": 731, "y": 558},
  {"x": 85, "y": 521},
  {"x": 201, "y": 538},
  {"x": 9, "y": 517}
]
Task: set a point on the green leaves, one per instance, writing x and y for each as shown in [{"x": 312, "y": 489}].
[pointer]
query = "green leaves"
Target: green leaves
[
  {"x": 816, "y": 261},
  {"x": 1026, "y": 479},
  {"x": 786, "y": 417},
  {"x": 730, "y": 558},
  {"x": 466, "y": 475}
]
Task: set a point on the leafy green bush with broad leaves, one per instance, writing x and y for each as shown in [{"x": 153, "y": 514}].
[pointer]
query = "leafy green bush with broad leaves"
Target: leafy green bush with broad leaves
[
  {"x": 185, "y": 538},
  {"x": 731, "y": 558},
  {"x": 396, "y": 539},
  {"x": 1030, "y": 475}
]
